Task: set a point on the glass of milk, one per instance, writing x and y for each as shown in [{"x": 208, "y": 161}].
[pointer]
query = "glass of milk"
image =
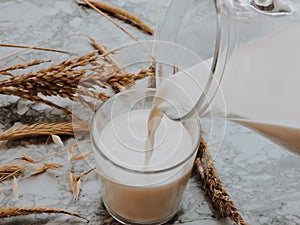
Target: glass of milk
[{"x": 138, "y": 187}]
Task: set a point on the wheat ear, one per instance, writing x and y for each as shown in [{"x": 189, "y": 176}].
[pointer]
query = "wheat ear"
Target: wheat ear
[
  {"x": 6, "y": 212},
  {"x": 213, "y": 187},
  {"x": 62, "y": 128},
  {"x": 24, "y": 65},
  {"x": 123, "y": 14}
]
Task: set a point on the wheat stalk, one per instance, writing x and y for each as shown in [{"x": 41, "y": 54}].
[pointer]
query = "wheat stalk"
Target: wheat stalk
[
  {"x": 6, "y": 212},
  {"x": 213, "y": 187},
  {"x": 9, "y": 170},
  {"x": 123, "y": 14},
  {"x": 36, "y": 48},
  {"x": 59, "y": 128}
]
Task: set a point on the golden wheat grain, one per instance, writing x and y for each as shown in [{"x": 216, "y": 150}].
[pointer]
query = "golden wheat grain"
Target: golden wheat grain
[
  {"x": 81, "y": 156},
  {"x": 56, "y": 139},
  {"x": 53, "y": 166},
  {"x": 38, "y": 170},
  {"x": 26, "y": 158},
  {"x": 15, "y": 187},
  {"x": 71, "y": 151}
]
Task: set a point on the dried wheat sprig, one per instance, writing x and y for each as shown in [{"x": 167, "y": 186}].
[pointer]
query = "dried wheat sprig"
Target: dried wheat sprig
[
  {"x": 121, "y": 81},
  {"x": 61, "y": 151},
  {"x": 67, "y": 81},
  {"x": 118, "y": 26},
  {"x": 103, "y": 50},
  {"x": 59, "y": 80},
  {"x": 87, "y": 104},
  {"x": 32, "y": 97},
  {"x": 9, "y": 170},
  {"x": 53, "y": 166},
  {"x": 26, "y": 158},
  {"x": 6, "y": 212},
  {"x": 87, "y": 172},
  {"x": 24, "y": 65},
  {"x": 80, "y": 156},
  {"x": 6, "y": 73},
  {"x": 45, "y": 167},
  {"x": 115, "y": 80},
  {"x": 55, "y": 73},
  {"x": 123, "y": 14},
  {"x": 59, "y": 128},
  {"x": 71, "y": 152},
  {"x": 75, "y": 182},
  {"x": 112, "y": 51},
  {"x": 93, "y": 94},
  {"x": 36, "y": 48},
  {"x": 213, "y": 187},
  {"x": 38, "y": 170}
]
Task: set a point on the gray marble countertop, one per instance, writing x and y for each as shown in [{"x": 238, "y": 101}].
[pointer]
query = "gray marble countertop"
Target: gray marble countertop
[{"x": 261, "y": 177}]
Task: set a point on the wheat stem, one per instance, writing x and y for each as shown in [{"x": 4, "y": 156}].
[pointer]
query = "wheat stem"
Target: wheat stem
[
  {"x": 6, "y": 212},
  {"x": 36, "y": 48}
]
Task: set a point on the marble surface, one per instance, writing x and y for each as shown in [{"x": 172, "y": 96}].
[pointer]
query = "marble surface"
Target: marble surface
[{"x": 262, "y": 178}]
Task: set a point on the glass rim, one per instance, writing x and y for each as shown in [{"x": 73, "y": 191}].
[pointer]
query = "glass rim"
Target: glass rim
[{"x": 97, "y": 150}]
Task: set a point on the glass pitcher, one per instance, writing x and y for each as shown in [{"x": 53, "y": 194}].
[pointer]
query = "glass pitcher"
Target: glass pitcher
[{"x": 250, "y": 72}]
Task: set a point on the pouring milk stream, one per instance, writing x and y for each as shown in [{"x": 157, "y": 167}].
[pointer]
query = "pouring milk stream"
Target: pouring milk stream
[{"x": 260, "y": 91}]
